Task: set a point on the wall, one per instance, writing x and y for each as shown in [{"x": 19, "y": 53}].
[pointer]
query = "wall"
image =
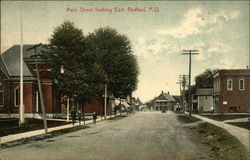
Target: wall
[
  {"x": 205, "y": 103},
  {"x": 235, "y": 97}
]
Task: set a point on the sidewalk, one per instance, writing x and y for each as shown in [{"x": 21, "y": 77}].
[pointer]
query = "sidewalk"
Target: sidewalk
[
  {"x": 14, "y": 137},
  {"x": 238, "y": 120},
  {"x": 243, "y": 135}
]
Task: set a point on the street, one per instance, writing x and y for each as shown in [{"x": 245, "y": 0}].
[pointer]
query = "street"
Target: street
[{"x": 143, "y": 136}]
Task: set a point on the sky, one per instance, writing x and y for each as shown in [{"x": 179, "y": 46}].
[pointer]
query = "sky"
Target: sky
[{"x": 219, "y": 30}]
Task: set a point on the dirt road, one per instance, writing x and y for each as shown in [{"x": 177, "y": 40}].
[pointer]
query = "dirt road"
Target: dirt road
[{"x": 143, "y": 136}]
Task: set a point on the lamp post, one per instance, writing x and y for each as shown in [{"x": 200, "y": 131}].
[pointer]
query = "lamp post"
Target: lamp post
[{"x": 67, "y": 115}]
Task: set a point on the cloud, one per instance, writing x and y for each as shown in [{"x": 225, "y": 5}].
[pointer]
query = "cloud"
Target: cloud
[
  {"x": 197, "y": 21},
  {"x": 152, "y": 49}
]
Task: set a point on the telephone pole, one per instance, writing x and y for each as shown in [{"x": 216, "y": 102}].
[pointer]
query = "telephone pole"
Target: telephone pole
[
  {"x": 40, "y": 88},
  {"x": 183, "y": 79},
  {"x": 180, "y": 90},
  {"x": 190, "y": 53}
]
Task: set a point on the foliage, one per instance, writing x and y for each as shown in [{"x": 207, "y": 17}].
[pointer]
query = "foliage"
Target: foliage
[
  {"x": 150, "y": 103},
  {"x": 67, "y": 48},
  {"x": 119, "y": 67},
  {"x": 178, "y": 99},
  {"x": 205, "y": 79},
  {"x": 104, "y": 56}
]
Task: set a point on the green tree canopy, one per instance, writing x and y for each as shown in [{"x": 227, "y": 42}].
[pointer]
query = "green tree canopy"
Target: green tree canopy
[
  {"x": 119, "y": 67},
  {"x": 205, "y": 79},
  {"x": 67, "y": 48}
]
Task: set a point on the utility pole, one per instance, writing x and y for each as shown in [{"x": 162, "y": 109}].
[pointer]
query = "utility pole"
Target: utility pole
[
  {"x": 180, "y": 87},
  {"x": 190, "y": 53},
  {"x": 40, "y": 88},
  {"x": 183, "y": 79},
  {"x": 21, "y": 107}
]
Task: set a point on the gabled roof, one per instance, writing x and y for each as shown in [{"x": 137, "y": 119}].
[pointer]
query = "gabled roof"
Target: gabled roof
[
  {"x": 11, "y": 57},
  {"x": 3, "y": 67},
  {"x": 168, "y": 97},
  {"x": 204, "y": 92},
  {"x": 165, "y": 96}
]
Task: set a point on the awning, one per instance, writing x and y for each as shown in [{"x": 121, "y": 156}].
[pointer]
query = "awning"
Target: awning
[{"x": 124, "y": 104}]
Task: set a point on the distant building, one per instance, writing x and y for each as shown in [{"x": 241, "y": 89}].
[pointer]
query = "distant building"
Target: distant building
[
  {"x": 232, "y": 90},
  {"x": 138, "y": 103},
  {"x": 164, "y": 101},
  {"x": 204, "y": 99}
]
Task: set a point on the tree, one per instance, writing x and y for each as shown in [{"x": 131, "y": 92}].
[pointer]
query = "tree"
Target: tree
[
  {"x": 119, "y": 67},
  {"x": 205, "y": 79},
  {"x": 67, "y": 49},
  {"x": 150, "y": 103}
]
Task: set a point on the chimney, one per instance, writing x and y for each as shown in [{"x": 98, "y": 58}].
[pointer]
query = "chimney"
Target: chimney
[
  {"x": 168, "y": 92},
  {"x": 161, "y": 91}
]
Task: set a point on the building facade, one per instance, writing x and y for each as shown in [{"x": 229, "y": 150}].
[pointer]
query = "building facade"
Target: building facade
[
  {"x": 164, "y": 101},
  {"x": 204, "y": 99},
  {"x": 10, "y": 84},
  {"x": 55, "y": 105},
  {"x": 232, "y": 90}
]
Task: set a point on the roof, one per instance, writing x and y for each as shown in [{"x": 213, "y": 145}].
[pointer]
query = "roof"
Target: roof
[
  {"x": 232, "y": 72},
  {"x": 138, "y": 101},
  {"x": 3, "y": 67},
  {"x": 126, "y": 105},
  {"x": 11, "y": 58},
  {"x": 169, "y": 97},
  {"x": 204, "y": 92},
  {"x": 165, "y": 95}
]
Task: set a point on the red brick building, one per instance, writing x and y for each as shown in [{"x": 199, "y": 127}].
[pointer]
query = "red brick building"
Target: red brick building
[
  {"x": 10, "y": 84},
  {"x": 10, "y": 92},
  {"x": 232, "y": 90}
]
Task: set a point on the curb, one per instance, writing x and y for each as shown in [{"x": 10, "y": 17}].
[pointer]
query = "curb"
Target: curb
[{"x": 41, "y": 133}]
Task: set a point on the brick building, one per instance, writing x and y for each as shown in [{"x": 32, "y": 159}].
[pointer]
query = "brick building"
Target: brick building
[
  {"x": 10, "y": 84},
  {"x": 10, "y": 87},
  {"x": 232, "y": 90}
]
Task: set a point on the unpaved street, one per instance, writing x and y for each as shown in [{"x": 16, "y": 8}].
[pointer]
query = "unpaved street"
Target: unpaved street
[{"x": 143, "y": 136}]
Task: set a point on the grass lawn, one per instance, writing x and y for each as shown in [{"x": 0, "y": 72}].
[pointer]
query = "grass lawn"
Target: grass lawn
[
  {"x": 184, "y": 118},
  {"x": 216, "y": 142},
  {"x": 11, "y": 126},
  {"x": 225, "y": 117},
  {"x": 241, "y": 124},
  {"x": 222, "y": 144}
]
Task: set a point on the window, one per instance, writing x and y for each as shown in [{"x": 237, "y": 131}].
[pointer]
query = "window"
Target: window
[
  {"x": 17, "y": 96},
  {"x": 229, "y": 84},
  {"x": 241, "y": 84},
  {"x": 1, "y": 94}
]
